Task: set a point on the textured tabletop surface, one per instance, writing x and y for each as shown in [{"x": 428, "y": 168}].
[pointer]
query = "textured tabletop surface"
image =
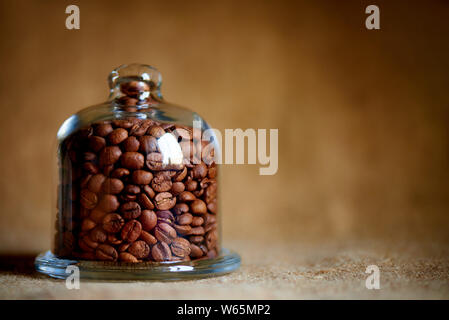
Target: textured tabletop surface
[{"x": 268, "y": 271}]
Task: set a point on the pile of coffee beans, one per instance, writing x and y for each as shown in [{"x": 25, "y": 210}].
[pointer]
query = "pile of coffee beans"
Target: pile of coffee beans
[{"x": 119, "y": 199}]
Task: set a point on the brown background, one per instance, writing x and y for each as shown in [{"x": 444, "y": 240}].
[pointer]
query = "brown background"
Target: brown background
[{"x": 362, "y": 115}]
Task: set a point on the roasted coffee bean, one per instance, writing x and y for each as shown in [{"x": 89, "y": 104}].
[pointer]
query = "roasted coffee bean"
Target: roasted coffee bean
[
  {"x": 184, "y": 219},
  {"x": 211, "y": 239},
  {"x": 108, "y": 169},
  {"x": 156, "y": 131},
  {"x": 112, "y": 186},
  {"x": 196, "y": 239},
  {"x": 103, "y": 129},
  {"x": 130, "y": 210},
  {"x": 86, "y": 244},
  {"x": 164, "y": 232},
  {"x": 85, "y": 181},
  {"x": 110, "y": 155},
  {"x": 148, "y": 238},
  {"x": 211, "y": 254},
  {"x": 148, "y": 144},
  {"x": 131, "y": 231},
  {"x": 132, "y": 160},
  {"x": 108, "y": 203},
  {"x": 96, "y": 143},
  {"x": 145, "y": 201},
  {"x": 197, "y": 221},
  {"x": 87, "y": 224},
  {"x": 142, "y": 177},
  {"x": 131, "y": 144},
  {"x": 212, "y": 172},
  {"x": 191, "y": 185},
  {"x": 199, "y": 171},
  {"x": 97, "y": 215},
  {"x": 113, "y": 222},
  {"x": 123, "y": 123},
  {"x": 212, "y": 206},
  {"x": 98, "y": 235},
  {"x": 134, "y": 89},
  {"x": 127, "y": 257},
  {"x": 161, "y": 252},
  {"x": 106, "y": 252},
  {"x": 198, "y": 207},
  {"x": 117, "y": 136},
  {"x": 165, "y": 216},
  {"x": 180, "y": 175},
  {"x": 139, "y": 249},
  {"x": 180, "y": 247},
  {"x": 139, "y": 129},
  {"x": 91, "y": 168},
  {"x": 177, "y": 188},
  {"x": 123, "y": 247},
  {"x": 161, "y": 182},
  {"x": 120, "y": 173},
  {"x": 165, "y": 201},
  {"x": 148, "y": 219},
  {"x": 132, "y": 189},
  {"x": 186, "y": 196},
  {"x": 210, "y": 193},
  {"x": 149, "y": 191},
  {"x": 197, "y": 231},
  {"x": 195, "y": 251},
  {"x": 88, "y": 199},
  {"x": 154, "y": 161},
  {"x": 89, "y": 156},
  {"x": 113, "y": 240},
  {"x": 180, "y": 208},
  {"x": 183, "y": 229}
]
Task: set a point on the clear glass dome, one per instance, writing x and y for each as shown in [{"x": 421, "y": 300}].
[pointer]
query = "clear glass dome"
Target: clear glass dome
[{"x": 137, "y": 185}]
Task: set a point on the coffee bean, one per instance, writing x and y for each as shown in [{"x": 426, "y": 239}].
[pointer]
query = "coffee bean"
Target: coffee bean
[
  {"x": 146, "y": 202},
  {"x": 165, "y": 216},
  {"x": 130, "y": 210},
  {"x": 127, "y": 257},
  {"x": 156, "y": 131},
  {"x": 211, "y": 239},
  {"x": 113, "y": 240},
  {"x": 149, "y": 191},
  {"x": 88, "y": 199},
  {"x": 180, "y": 175},
  {"x": 161, "y": 182},
  {"x": 197, "y": 221},
  {"x": 110, "y": 155},
  {"x": 142, "y": 177},
  {"x": 148, "y": 219},
  {"x": 134, "y": 89},
  {"x": 131, "y": 231},
  {"x": 180, "y": 208},
  {"x": 112, "y": 186},
  {"x": 108, "y": 203},
  {"x": 98, "y": 235},
  {"x": 212, "y": 206},
  {"x": 97, "y": 215},
  {"x": 184, "y": 219},
  {"x": 139, "y": 129},
  {"x": 154, "y": 161},
  {"x": 212, "y": 172},
  {"x": 164, "y": 232},
  {"x": 132, "y": 160},
  {"x": 177, "y": 188},
  {"x": 195, "y": 251},
  {"x": 113, "y": 222},
  {"x": 103, "y": 129},
  {"x": 198, "y": 207},
  {"x": 139, "y": 249},
  {"x": 96, "y": 143},
  {"x": 196, "y": 239},
  {"x": 180, "y": 247},
  {"x": 117, "y": 136},
  {"x": 91, "y": 168},
  {"x": 199, "y": 171},
  {"x": 131, "y": 144},
  {"x": 120, "y": 173},
  {"x": 191, "y": 185},
  {"x": 197, "y": 231},
  {"x": 186, "y": 196},
  {"x": 87, "y": 224},
  {"x": 86, "y": 244},
  {"x": 106, "y": 252},
  {"x": 148, "y": 238},
  {"x": 164, "y": 201},
  {"x": 148, "y": 144},
  {"x": 161, "y": 252},
  {"x": 108, "y": 169},
  {"x": 123, "y": 123},
  {"x": 183, "y": 229}
]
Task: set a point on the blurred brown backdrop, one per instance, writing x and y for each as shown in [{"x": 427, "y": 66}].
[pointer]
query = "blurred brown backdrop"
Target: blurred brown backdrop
[{"x": 362, "y": 115}]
